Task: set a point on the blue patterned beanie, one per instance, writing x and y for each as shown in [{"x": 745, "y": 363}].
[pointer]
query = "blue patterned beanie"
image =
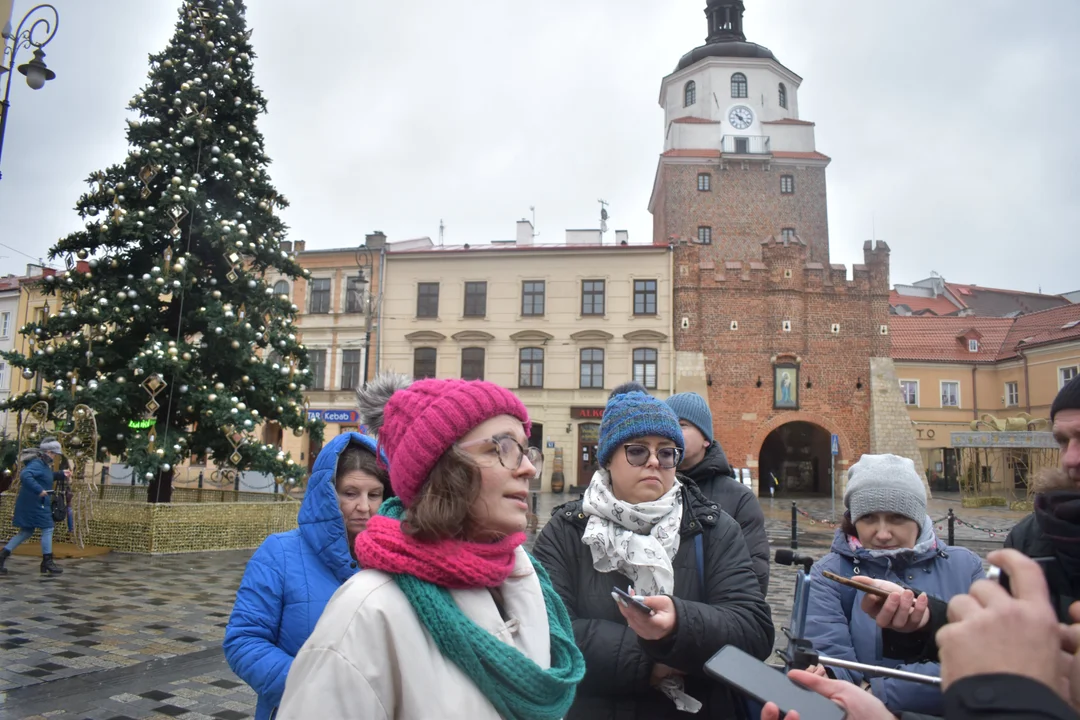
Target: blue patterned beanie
[{"x": 635, "y": 415}]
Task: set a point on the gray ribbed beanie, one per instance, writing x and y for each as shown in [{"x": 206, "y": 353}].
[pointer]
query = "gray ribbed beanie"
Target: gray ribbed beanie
[
  {"x": 51, "y": 445},
  {"x": 887, "y": 484}
]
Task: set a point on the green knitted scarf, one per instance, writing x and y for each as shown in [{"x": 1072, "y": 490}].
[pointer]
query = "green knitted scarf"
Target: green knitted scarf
[{"x": 517, "y": 687}]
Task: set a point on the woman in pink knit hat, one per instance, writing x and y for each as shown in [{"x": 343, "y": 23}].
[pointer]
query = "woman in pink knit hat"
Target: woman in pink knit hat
[{"x": 450, "y": 617}]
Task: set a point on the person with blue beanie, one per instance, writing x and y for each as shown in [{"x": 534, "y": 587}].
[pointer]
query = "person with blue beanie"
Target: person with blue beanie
[
  {"x": 643, "y": 528},
  {"x": 291, "y": 577},
  {"x": 704, "y": 462}
]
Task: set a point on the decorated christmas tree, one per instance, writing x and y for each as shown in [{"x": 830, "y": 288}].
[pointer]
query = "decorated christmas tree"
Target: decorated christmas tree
[{"x": 166, "y": 325}]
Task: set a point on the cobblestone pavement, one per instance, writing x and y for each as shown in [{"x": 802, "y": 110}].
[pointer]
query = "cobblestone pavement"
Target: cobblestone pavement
[{"x": 128, "y": 637}]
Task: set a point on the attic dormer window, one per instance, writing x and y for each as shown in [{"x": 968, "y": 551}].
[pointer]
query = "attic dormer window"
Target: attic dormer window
[{"x": 973, "y": 345}]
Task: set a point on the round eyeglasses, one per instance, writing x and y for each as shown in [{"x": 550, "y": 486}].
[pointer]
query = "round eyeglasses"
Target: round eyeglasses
[
  {"x": 510, "y": 451},
  {"x": 638, "y": 455}
]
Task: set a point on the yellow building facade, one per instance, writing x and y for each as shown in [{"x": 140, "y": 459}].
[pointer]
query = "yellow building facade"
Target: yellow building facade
[
  {"x": 957, "y": 370},
  {"x": 560, "y": 325}
]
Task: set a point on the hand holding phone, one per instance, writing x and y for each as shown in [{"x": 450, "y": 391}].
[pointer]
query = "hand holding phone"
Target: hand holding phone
[
  {"x": 625, "y": 599},
  {"x": 848, "y": 582},
  {"x": 747, "y": 674}
]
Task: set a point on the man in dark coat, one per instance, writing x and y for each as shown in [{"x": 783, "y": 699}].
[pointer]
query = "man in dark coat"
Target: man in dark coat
[
  {"x": 706, "y": 464},
  {"x": 33, "y": 507}
]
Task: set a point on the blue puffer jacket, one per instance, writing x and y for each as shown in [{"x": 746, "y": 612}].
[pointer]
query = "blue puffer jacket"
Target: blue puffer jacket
[
  {"x": 32, "y": 510},
  {"x": 288, "y": 582},
  {"x": 837, "y": 626}
]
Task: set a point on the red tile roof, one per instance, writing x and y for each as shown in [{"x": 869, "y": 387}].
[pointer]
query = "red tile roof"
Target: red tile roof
[
  {"x": 1042, "y": 328},
  {"x": 710, "y": 153},
  {"x": 939, "y": 339},
  {"x": 787, "y": 121},
  {"x": 681, "y": 152},
  {"x": 939, "y": 305},
  {"x": 695, "y": 120},
  {"x": 800, "y": 155}
]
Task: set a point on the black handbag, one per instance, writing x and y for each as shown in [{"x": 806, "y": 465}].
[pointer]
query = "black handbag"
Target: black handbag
[{"x": 59, "y": 502}]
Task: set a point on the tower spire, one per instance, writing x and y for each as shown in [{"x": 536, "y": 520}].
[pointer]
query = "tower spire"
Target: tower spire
[{"x": 725, "y": 21}]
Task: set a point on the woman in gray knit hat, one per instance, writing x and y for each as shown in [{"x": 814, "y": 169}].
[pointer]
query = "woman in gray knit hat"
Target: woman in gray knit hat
[
  {"x": 886, "y": 534},
  {"x": 33, "y": 506}
]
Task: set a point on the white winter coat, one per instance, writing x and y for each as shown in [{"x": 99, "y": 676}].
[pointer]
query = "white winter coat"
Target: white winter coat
[{"x": 369, "y": 657}]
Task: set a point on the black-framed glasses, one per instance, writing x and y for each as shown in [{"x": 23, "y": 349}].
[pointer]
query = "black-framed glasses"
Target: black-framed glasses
[
  {"x": 638, "y": 455},
  {"x": 510, "y": 451}
]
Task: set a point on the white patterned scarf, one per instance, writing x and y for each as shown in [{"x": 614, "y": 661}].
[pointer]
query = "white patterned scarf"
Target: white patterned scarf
[{"x": 640, "y": 541}]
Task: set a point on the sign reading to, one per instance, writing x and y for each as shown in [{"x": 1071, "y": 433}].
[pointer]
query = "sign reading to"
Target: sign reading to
[
  {"x": 586, "y": 413},
  {"x": 334, "y": 416}
]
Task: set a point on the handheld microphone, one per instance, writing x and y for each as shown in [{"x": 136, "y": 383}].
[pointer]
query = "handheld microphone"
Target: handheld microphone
[{"x": 785, "y": 556}]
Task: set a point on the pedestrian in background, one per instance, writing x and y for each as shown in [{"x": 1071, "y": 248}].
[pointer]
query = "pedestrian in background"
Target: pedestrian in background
[
  {"x": 33, "y": 505},
  {"x": 291, "y": 577}
]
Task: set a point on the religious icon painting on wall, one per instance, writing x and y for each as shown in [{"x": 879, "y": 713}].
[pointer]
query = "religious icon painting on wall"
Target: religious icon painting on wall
[{"x": 786, "y": 387}]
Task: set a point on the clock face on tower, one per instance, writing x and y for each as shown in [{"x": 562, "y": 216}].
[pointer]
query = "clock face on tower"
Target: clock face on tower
[{"x": 741, "y": 117}]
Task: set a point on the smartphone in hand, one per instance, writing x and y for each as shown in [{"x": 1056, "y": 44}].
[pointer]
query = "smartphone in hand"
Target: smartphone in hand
[{"x": 627, "y": 600}]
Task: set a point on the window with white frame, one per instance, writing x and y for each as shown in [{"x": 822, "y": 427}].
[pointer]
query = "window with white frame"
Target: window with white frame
[
  {"x": 645, "y": 367},
  {"x": 317, "y": 365},
  {"x": 973, "y": 345},
  {"x": 950, "y": 393},
  {"x": 5, "y": 324},
  {"x": 910, "y": 390},
  {"x": 1012, "y": 394},
  {"x": 3, "y": 374},
  {"x": 1066, "y": 374},
  {"x": 350, "y": 369}
]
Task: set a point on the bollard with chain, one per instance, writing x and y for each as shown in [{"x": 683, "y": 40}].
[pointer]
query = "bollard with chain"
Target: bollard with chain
[{"x": 952, "y": 528}]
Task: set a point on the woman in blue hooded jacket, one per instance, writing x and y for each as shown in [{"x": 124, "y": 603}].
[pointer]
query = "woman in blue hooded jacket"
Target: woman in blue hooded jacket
[
  {"x": 292, "y": 575},
  {"x": 886, "y": 535}
]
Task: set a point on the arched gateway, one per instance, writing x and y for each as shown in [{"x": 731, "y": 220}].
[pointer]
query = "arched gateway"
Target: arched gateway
[{"x": 797, "y": 454}]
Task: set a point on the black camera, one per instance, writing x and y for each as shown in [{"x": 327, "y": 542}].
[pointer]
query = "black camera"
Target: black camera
[{"x": 1001, "y": 577}]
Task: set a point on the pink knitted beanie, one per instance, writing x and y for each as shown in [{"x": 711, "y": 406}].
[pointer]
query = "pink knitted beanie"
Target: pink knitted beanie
[{"x": 422, "y": 420}]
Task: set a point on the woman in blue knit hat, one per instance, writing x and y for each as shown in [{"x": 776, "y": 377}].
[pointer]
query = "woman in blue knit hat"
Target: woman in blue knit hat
[{"x": 642, "y": 528}]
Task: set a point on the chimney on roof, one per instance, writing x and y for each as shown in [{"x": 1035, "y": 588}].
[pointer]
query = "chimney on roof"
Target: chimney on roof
[
  {"x": 524, "y": 232},
  {"x": 299, "y": 245},
  {"x": 375, "y": 240},
  {"x": 622, "y": 237}
]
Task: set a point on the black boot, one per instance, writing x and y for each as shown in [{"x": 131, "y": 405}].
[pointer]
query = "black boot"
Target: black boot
[
  {"x": 48, "y": 567},
  {"x": 4, "y": 555}
]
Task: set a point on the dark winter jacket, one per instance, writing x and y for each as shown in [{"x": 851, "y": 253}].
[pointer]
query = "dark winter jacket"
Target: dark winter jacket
[
  {"x": 1000, "y": 697},
  {"x": 837, "y": 626},
  {"x": 288, "y": 582},
  {"x": 716, "y": 480},
  {"x": 32, "y": 510},
  {"x": 728, "y": 609}
]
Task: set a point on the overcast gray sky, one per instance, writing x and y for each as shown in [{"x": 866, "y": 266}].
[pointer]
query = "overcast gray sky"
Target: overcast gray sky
[{"x": 951, "y": 124}]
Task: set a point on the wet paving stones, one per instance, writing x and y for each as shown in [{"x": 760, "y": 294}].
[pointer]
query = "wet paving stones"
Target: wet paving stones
[{"x": 129, "y": 636}]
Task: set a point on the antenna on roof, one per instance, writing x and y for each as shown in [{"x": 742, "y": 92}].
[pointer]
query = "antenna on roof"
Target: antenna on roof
[
  {"x": 442, "y": 229},
  {"x": 603, "y": 219},
  {"x": 532, "y": 209}
]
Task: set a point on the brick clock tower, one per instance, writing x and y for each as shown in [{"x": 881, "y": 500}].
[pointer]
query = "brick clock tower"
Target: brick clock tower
[{"x": 789, "y": 351}]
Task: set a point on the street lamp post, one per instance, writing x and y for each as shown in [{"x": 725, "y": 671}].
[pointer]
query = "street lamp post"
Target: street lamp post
[
  {"x": 369, "y": 302},
  {"x": 43, "y": 22}
]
